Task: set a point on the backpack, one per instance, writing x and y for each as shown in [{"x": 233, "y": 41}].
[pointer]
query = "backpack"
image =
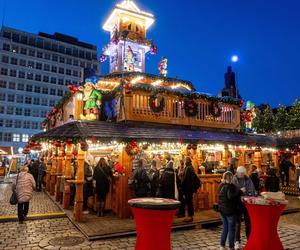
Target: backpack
[{"x": 196, "y": 182}]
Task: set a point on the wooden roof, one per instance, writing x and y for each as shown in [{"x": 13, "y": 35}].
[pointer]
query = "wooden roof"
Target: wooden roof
[{"x": 107, "y": 131}]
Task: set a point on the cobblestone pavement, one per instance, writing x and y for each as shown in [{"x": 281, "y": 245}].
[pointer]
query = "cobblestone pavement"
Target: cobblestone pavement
[
  {"x": 38, "y": 234},
  {"x": 40, "y": 204}
]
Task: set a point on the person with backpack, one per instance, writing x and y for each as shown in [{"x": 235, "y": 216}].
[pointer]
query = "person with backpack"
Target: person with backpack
[
  {"x": 169, "y": 182},
  {"x": 190, "y": 184},
  {"x": 229, "y": 196},
  {"x": 272, "y": 181},
  {"x": 102, "y": 176},
  {"x": 140, "y": 180}
]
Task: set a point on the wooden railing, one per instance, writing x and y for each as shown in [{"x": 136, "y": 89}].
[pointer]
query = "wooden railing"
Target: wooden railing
[{"x": 136, "y": 108}]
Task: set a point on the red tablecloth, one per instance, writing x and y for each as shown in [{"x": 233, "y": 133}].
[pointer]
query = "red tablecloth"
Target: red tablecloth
[
  {"x": 264, "y": 220},
  {"x": 153, "y": 219}
]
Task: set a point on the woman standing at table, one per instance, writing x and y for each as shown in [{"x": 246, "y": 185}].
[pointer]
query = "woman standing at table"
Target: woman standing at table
[
  {"x": 229, "y": 196},
  {"x": 245, "y": 185}
]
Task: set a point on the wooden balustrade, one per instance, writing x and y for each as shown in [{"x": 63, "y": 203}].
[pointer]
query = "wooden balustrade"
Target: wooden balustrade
[{"x": 137, "y": 109}]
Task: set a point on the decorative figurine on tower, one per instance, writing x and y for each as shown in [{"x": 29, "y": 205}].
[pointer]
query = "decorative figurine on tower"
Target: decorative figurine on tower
[
  {"x": 163, "y": 66},
  {"x": 249, "y": 116},
  {"x": 92, "y": 101},
  {"x": 130, "y": 59}
]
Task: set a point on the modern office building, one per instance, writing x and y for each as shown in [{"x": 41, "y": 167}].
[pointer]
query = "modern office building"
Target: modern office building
[{"x": 35, "y": 70}]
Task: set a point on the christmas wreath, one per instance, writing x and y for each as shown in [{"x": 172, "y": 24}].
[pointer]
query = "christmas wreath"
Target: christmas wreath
[
  {"x": 152, "y": 103},
  {"x": 131, "y": 148},
  {"x": 215, "y": 109},
  {"x": 190, "y": 107}
]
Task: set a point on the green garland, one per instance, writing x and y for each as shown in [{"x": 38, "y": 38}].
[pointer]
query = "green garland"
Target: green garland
[
  {"x": 190, "y": 107},
  {"x": 215, "y": 108},
  {"x": 153, "y": 106}
]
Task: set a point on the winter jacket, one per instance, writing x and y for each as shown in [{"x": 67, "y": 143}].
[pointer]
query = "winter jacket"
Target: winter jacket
[
  {"x": 142, "y": 182},
  {"x": 167, "y": 183},
  {"x": 24, "y": 188},
  {"x": 244, "y": 182},
  {"x": 272, "y": 183},
  {"x": 229, "y": 196},
  {"x": 101, "y": 176},
  {"x": 154, "y": 180},
  {"x": 187, "y": 182},
  {"x": 255, "y": 180}
]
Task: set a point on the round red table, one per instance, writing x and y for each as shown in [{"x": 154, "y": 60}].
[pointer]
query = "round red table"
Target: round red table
[
  {"x": 153, "y": 218},
  {"x": 264, "y": 220}
]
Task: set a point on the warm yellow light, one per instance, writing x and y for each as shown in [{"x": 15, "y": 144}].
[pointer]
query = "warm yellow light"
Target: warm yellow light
[
  {"x": 135, "y": 80},
  {"x": 157, "y": 82},
  {"x": 79, "y": 96}
]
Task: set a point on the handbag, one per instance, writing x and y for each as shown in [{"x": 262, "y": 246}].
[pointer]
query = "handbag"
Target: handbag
[{"x": 14, "y": 198}]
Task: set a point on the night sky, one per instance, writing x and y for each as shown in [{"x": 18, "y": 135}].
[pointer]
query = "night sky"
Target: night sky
[{"x": 197, "y": 36}]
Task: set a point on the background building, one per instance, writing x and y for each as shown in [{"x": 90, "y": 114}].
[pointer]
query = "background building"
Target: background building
[{"x": 34, "y": 73}]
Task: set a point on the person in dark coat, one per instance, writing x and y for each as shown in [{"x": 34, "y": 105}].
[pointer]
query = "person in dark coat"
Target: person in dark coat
[
  {"x": 229, "y": 196},
  {"x": 88, "y": 184},
  {"x": 180, "y": 172},
  {"x": 187, "y": 188},
  {"x": 254, "y": 176},
  {"x": 168, "y": 187},
  {"x": 141, "y": 180},
  {"x": 102, "y": 176},
  {"x": 272, "y": 181},
  {"x": 284, "y": 167},
  {"x": 34, "y": 168},
  {"x": 41, "y": 173},
  {"x": 154, "y": 179}
]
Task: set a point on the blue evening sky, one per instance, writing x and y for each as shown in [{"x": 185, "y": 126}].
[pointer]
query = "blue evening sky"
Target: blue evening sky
[{"x": 197, "y": 36}]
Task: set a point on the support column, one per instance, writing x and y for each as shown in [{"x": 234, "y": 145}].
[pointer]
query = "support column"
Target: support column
[
  {"x": 241, "y": 161},
  {"x": 225, "y": 156},
  {"x": 199, "y": 157},
  {"x": 48, "y": 171},
  {"x": 275, "y": 159},
  {"x": 257, "y": 158},
  {"x": 59, "y": 173},
  {"x": 78, "y": 205},
  {"x": 67, "y": 176},
  {"x": 53, "y": 171}
]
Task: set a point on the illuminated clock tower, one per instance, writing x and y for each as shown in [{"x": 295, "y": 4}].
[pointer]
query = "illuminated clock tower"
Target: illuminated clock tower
[{"x": 128, "y": 45}]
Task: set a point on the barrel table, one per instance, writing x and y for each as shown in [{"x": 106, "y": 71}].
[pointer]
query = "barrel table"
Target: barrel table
[{"x": 153, "y": 218}]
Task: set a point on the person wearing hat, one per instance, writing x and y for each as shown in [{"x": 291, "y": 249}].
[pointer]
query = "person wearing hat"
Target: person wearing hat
[
  {"x": 229, "y": 196},
  {"x": 245, "y": 185}
]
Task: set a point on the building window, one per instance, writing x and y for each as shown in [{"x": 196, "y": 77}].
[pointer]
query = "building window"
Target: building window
[
  {"x": 52, "y": 92},
  {"x": 54, "y": 69},
  {"x": 22, "y": 62},
  {"x": 2, "y": 110},
  {"x": 44, "y": 101},
  {"x": 1, "y": 122},
  {"x": 18, "y": 124},
  {"x": 3, "y": 84},
  {"x": 54, "y": 58},
  {"x": 38, "y": 66},
  {"x": 38, "y": 78},
  {"x": 36, "y": 101},
  {"x": 10, "y": 110},
  {"x": 88, "y": 65},
  {"x": 30, "y": 64},
  {"x": 15, "y": 49},
  {"x": 5, "y": 59},
  {"x": 23, "y": 51},
  {"x": 31, "y": 41},
  {"x": 8, "y": 123},
  {"x": 13, "y": 73},
  {"x": 27, "y": 112},
  {"x": 20, "y": 86},
  {"x": 25, "y": 137},
  {"x": 75, "y": 73},
  {"x": 24, "y": 39},
  {"x": 6, "y": 47},
  {"x": 28, "y": 100},
  {"x": 62, "y": 49},
  {"x": 35, "y": 125},
  {"x": 54, "y": 47},
  {"x": 88, "y": 55},
  {"x": 46, "y": 67},
  {"x": 2, "y": 97},
  {"x": 21, "y": 74},
  {"x": 69, "y": 51},
  {"x": 35, "y": 113},
  {"x": 43, "y": 113},
  {"x": 95, "y": 67},
  {"x": 20, "y": 99},
  {"x": 12, "y": 85},
  {"x": 31, "y": 52},
  {"x": 53, "y": 80},
  {"x": 81, "y": 53},
  {"x": 51, "y": 103},
  {"x": 30, "y": 76},
  {"x": 39, "y": 54},
  {"x": 7, "y": 34},
  {"x": 61, "y": 59},
  {"x": 69, "y": 61},
  {"x": 16, "y": 137},
  {"x": 94, "y": 56},
  {"x": 45, "y": 91},
  {"x": 61, "y": 70},
  {"x": 47, "y": 56},
  {"x": 7, "y": 136},
  {"x": 82, "y": 64},
  {"x": 37, "y": 89},
  {"x": 16, "y": 37},
  {"x": 60, "y": 92},
  {"x": 4, "y": 71},
  {"x": 45, "y": 78},
  {"x": 29, "y": 88},
  {"x": 75, "y": 52},
  {"x": 68, "y": 72},
  {"x": 10, "y": 97},
  {"x": 75, "y": 62},
  {"x": 26, "y": 124},
  {"x": 68, "y": 82},
  {"x": 19, "y": 111}
]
